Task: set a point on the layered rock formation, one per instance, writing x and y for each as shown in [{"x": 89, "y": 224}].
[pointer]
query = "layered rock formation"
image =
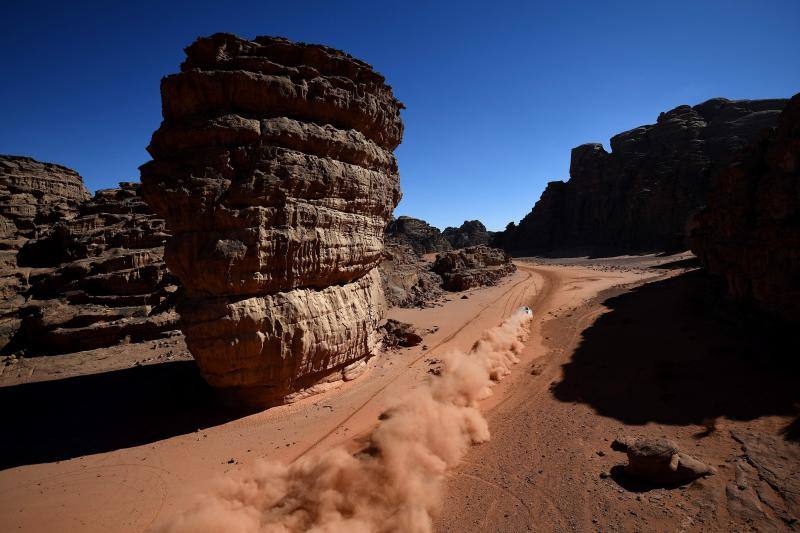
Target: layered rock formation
[
  {"x": 750, "y": 230},
  {"x": 640, "y": 196},
  {"x": 32, "y": 195},
  {"x": 417, "y": 234},
  {"x": 274, "y": 170},
  {"x": 472, "y": 267},
  {"x": 79, "y": 272},
  {"x": 97, "y": 279},
  {"x": 470, "y": 233}
]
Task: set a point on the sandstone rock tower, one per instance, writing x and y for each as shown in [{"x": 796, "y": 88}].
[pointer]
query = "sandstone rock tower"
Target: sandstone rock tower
[{"x": 274, "y": 170}]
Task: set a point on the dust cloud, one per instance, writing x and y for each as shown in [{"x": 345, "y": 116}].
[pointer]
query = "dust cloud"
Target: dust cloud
[{"x": 395, "y": 483}]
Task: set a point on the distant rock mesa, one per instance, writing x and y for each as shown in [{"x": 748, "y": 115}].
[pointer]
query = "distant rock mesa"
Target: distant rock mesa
[
  {"x": 641, "y": 195},
  {"x": 750, "y": 231},
  {"x": 274, "y": 171}
]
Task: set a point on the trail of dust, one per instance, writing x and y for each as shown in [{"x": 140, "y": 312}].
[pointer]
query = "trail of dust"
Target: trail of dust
[{"x": 392, "y": 485}]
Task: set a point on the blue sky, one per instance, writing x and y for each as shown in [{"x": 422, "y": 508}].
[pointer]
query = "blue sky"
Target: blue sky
[{"x": 497, "y": 93}]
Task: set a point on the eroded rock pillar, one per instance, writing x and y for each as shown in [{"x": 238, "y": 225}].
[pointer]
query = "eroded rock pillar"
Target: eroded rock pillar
[{"x": 274, "y": 170}]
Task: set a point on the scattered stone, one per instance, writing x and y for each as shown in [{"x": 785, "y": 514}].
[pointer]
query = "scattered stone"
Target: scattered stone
[{"x": 401, "y": 334}]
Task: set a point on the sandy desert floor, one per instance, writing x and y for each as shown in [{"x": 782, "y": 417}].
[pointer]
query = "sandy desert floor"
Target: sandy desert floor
[{"x": 617, "y": 346}]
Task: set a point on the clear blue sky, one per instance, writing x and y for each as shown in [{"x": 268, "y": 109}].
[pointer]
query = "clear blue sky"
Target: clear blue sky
[{"x": 497, "y": 92}]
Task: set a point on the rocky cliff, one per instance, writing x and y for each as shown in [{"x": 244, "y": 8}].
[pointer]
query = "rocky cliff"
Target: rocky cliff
[
  {"x": 79, "y": 272},
  {"x": 274, "y": 170},
  {"x": 640, "y": 196},
  {"x": 750, "y": 230}
]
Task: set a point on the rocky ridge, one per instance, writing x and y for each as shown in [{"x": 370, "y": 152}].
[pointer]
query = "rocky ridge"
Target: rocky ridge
[
  {"x": 640, "y": 196},
  {"x": 749, "y": 233},
  {"x": 274, "y": 170},
  {"x": 83, "y": 272}
]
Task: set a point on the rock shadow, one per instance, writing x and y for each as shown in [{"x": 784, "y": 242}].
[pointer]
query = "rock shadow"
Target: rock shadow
[
  {"x": 57, "y": 420},
  {"x": 674, "y": 352},
  {"x": 635, "y": 484}
]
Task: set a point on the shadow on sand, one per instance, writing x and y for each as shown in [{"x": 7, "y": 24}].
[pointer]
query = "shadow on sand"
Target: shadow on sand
[
  {"x": 56, "y": 420},
  {"x": 672, "y": 352}
]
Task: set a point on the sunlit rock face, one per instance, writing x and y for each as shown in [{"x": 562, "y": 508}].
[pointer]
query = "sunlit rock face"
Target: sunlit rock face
[{"x": 274, "y": 170}]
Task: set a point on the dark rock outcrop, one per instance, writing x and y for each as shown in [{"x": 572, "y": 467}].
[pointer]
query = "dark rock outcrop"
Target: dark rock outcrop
[
  {"x": 750, "y": 230},
  {"x": 92, "y": 275},
  {"x": 408, "y": 279},
  {"x": 472, "y": 267},
  {"x": 640, "y": 196},
  {"x": 274, "y": 170},
  {"x": 470, "y": 233},
  {"x": 418, "y": 234},
  {"x": 401, "y": 334}
]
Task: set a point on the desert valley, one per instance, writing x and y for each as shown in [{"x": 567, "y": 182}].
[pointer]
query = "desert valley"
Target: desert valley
[{"x": 246, "y": 337}]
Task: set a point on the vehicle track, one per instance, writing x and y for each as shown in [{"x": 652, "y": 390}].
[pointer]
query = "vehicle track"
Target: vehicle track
[{"x": 507, "y": 294}]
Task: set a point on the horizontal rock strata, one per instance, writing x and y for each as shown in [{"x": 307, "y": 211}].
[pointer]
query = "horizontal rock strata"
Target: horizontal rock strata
[
  {"x": 92, "y": 277},
  {"x": 274, "y": 170}
]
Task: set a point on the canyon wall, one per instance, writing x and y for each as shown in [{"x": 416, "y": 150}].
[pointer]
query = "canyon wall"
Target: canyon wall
[
  {"x": 749, "y": 233},
  {"x": 273, "y": 168},
  {"x": 640, "y": 196},
  {"x": 77, "y": 272}
]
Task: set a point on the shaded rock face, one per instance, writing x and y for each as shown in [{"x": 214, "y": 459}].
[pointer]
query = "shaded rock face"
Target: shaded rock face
[
  {"x": 93, "y": 276},
  {"x": 408, "y": 279},
  {"x": 274, "y": 170},
  {"x": 472, "y": 267},
  {"x": 640, "y": 196},
  {"x": 470, "y": 233},
  {"x": 417, "y": 234},
  {"x": 750, "y": 230}
]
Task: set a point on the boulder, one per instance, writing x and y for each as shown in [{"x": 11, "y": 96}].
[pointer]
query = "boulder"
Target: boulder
[
  {"x": 749, "y": 233},
  {"x": 640, "y": 196},
  {"x": 659, "y": 461},
  {"x": 401, "y": 334},
  {"x": 475, "y": 266},
  {"x": 274, "y": 171}
]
